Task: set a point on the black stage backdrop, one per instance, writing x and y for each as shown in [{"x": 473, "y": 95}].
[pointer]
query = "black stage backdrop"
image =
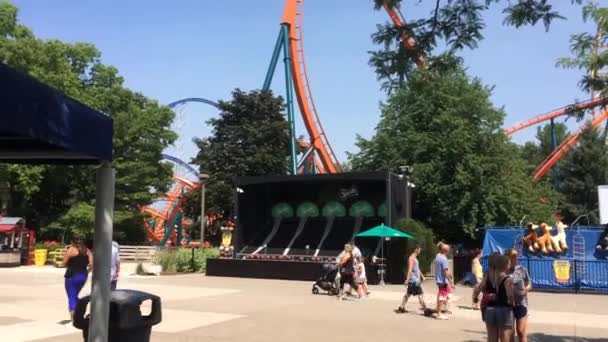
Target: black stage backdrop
[{"x": 257, "y": 195}]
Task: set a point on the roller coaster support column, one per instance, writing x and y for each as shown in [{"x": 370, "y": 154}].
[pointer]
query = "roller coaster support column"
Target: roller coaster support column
[
  {"x": 283, "y": 43},
  {"x": 555, "y": 171},
  {"x": 289, "y": 96},
  {"x": 273, "y": 62}
]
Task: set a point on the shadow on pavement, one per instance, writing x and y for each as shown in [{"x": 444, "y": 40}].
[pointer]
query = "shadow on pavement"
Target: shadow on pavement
[{"x": 540, "y": 337}]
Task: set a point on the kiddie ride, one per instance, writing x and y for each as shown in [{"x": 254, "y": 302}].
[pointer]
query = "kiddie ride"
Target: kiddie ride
[{"x": 557, "y": 257}]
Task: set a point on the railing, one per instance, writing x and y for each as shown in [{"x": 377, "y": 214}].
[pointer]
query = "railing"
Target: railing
[
  {"x": 565, "y": 274},
  {"x": 138, "y": 253},
  {"x": 56, "y": 257}
]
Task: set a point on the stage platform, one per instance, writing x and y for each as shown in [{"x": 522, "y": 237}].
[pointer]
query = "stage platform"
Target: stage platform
[{"x": 274, "y": 269}]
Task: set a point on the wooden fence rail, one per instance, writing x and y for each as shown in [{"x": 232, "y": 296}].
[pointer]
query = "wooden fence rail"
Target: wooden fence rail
[{"x": 137, "y": 253}]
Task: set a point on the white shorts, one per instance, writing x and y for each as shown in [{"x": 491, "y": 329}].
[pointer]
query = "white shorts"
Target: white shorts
[{"x": 361, "y": 280}]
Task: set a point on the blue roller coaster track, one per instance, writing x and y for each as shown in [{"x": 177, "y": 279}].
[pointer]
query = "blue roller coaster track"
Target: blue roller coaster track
[{"x": 193, "y": 99}]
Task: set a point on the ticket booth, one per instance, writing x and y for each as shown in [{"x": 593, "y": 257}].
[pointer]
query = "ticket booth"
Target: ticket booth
[{"x": 15, "y": 242}]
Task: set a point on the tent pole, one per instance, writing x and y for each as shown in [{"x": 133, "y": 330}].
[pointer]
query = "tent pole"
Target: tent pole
[
  {"x": 382, "y": 262},
  {"x": 102, "y": 253}
]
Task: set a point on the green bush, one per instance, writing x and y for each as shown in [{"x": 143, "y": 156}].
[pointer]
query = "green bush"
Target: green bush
[
  {"x": 180, "y": 259},
  {"x": 49, "y": 245},
  {"x": 424, "y": 237}
]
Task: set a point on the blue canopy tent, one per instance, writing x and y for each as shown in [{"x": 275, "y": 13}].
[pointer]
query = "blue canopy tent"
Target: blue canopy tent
[
  {"x": 582, "y": 267},
  {"x": 41, "y": 125}
]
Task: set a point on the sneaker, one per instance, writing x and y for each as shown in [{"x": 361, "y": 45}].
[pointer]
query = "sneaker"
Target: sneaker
[
  {"x": 441, "y": 317},
  {"x": 400, "y": 310}
]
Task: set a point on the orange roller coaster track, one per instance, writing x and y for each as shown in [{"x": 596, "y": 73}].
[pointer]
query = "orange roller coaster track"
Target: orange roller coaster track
[
  {"x": 293, "y": 18},
  {"x": 567, "y": 145},
  {"x": 291, "y": 41},
  {"x": 556, "y": 113},
  {"x": 541, "y": 171},
  {"x": 409, "y": 43}
]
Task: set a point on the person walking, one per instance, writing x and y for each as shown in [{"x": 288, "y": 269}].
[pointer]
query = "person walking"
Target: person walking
[
  {"x": 497, "y": 311},
  {"x": 361, "y": 279},
  {"x": 347, "y": 270},
  {"x": 443, "y": 279},
  {"x": 78, "y": 261},
  {"x": 115, "y": 267},
  {"x": 477, "y": 272},
  {"x": 521, "y": 285},
  {"x": 413, "y": 281}
]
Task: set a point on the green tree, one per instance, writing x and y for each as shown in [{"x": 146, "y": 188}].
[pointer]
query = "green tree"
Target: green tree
[
  {"x": 583, "y": 169},
  {"x": 250, "y": 137},
  {"x": 590, "y": 53},
  {"x": 456, "y": 24},
  {"x": 141, "y": 130},
  {"x": 423, "y": 237},
  {"x": 467, "y": 173},
  {"x": 535, "y": 152},
  {"x": 543, "y": 135}
]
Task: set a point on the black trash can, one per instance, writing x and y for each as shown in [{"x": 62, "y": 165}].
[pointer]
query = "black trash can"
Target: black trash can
[{"x": 126, "y": 322}]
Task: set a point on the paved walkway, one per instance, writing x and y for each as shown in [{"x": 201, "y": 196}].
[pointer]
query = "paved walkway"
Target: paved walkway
[{"x": 199, "y": 308}]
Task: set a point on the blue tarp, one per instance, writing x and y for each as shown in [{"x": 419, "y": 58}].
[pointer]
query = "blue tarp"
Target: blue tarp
[
  {"x": 586, "y": 269},
  {"x": 39, "y": 124}
]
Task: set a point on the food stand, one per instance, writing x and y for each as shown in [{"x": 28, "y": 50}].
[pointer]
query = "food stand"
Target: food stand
[{"x": 15, "y": 242}]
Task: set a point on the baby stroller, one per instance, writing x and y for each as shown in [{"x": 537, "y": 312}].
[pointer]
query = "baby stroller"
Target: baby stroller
[{"x": 328, "y": 281}]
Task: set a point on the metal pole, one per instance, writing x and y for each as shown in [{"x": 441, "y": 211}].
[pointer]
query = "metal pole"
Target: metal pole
[
  {"x": 382, "y": 262},
  {"x": 289, "y": 96},
  {"x": 102, "y": 253},
  {"x": 273, "y": 61},
  {"x": 408, "y": 198},
  {"x": 203, "y": 177},
  {"x": 553, "y": 147},
  {"x": 389, "y": 201}
]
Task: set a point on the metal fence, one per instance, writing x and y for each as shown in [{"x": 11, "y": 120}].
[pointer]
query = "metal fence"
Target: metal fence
[{"x": 565, "y": 274}]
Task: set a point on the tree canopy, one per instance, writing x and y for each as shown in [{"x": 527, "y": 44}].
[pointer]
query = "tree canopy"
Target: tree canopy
[
  {"x": 536, "y": 151},
  {"x": 457, "y": 24},
  {"x": 589, "y": 51},
  {"x": 584, "y": 168},
  {"x": 467, "y": 173},
  {"x": 250, "y": 137},
  {"x": 43, "y": 194}
]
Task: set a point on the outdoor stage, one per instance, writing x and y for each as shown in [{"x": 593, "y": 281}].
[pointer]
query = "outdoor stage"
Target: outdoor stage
[
  {"x": 275, "y": 269},
  {"x": 287, "y": 227}
]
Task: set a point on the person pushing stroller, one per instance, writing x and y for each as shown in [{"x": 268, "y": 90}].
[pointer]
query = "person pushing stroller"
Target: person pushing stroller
[{"x": 347, "y": 270}]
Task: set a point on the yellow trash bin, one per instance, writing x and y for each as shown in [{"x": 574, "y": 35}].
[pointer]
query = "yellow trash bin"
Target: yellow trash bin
[{"x": 40, "y": 256}]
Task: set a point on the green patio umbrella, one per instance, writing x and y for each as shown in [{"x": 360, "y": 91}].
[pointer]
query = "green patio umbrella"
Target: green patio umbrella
[{"x": 383, "y": 231}]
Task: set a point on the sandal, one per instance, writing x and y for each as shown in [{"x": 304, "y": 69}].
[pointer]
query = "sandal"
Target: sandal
[{"x": 400, "y": 310}]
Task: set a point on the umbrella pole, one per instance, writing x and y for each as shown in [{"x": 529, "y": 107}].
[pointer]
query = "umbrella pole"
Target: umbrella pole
[{"x": 382, "y": 262}]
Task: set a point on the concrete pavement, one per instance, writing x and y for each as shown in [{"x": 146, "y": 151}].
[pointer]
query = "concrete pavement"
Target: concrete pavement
[{"x": 199, "y": 308}]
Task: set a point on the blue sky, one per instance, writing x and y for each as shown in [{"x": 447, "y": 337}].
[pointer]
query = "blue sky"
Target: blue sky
[{"x": 201, "y": 48}]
